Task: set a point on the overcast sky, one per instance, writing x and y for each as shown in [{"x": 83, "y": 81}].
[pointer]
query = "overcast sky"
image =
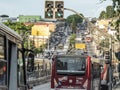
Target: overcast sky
[{"x": 14, "y": 8}]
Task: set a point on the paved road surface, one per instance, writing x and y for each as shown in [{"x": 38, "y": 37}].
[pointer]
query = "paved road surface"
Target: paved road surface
[{"x": 42, "y": 87}]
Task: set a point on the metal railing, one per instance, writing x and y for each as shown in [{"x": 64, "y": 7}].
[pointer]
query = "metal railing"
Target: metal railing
[{"x": 38, "y": 76}]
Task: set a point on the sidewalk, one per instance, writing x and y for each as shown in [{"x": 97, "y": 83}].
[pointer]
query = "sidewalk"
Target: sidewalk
[{"x": 117, "y": 86}]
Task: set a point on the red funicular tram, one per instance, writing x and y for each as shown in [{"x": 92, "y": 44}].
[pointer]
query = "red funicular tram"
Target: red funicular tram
[{"x": 73, "y": 72}]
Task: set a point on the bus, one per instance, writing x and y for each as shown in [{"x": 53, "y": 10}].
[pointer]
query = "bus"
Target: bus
[
  {"x": 12, "y": 64},
  {"x": 74, "y": 72}
]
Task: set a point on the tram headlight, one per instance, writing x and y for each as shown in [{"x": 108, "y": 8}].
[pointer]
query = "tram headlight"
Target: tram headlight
[{"x": 70, "y": 81}]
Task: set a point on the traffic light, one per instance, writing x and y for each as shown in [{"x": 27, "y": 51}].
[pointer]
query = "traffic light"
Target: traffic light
[
  {"x": 59, "y": 9},
  {"x": 49, "y": 9},
  {"x": 107, "y": 57}
]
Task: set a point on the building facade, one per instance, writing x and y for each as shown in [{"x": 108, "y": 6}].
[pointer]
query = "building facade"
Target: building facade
[
  {"x": 40, "y": 32},
  {"x": 29, "y": 18}
]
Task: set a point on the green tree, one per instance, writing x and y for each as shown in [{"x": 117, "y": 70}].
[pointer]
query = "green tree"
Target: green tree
[
  {"x": 72, "y": 40},
  {"x": 110, "y": 12},
  {"x": 102, "y": 15},
  {"x": 116, "y": 16},
  {"x": 93, "y": 20},
  {"x": 18, "y": 27},
  {"x": 116, "y": 5},
  {"x": 36, "y": 51},
  {"x": 73, "y": 25},
  {"x": 73, "y": 20},
  {"x": 117, "y": 27},
  {"x": 105, "y": 43},
  {"x": 21, "y": 29},
  {"x": 77, "y": 18}
]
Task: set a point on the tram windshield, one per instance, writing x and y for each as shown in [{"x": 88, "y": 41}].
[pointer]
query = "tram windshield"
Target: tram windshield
[{"x": 71, "y": 65}]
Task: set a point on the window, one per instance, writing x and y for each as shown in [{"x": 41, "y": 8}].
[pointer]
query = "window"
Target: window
[
  {"x": 71, "y": 65},
  {"x": 3, "y": 63},
  {"x": 20, "y": 69},
  {"x": 2, "y": 47},
  {"x": 2, "y": 73}
]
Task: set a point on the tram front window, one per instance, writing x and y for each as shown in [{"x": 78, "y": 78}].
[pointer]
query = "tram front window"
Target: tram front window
[{"x": 71, "y": 65}]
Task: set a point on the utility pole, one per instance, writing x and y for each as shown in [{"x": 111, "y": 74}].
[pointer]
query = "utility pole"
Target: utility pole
[{"x": 110, "y": 66}]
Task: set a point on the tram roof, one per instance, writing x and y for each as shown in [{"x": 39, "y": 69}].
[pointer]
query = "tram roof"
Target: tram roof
[{"x": 10, "y": 33}]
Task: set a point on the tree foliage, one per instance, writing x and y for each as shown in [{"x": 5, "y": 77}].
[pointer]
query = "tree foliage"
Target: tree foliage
[
  {"x": 72, "y": 39},
  {"x": 117, "y": 27},
  {"x": 116, "y": 5},
  {"x": 73, "y": 25},
  {"x": 77, "y": 18},
  {"x": 18, "y": 27},
  {"x": 115, "y": 15},
  {"x": 102, "y": 15},
  {"x": 21, "y": 29},
  {"x": 109, "y": 13},
  {"x": 105, "y": 43},
  {"x": 93, "y": 20},
  {"x": 73, "y": 20}
]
